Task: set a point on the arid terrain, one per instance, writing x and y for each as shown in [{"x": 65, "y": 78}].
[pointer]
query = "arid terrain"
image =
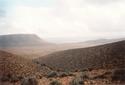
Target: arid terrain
[
  {"x": 28, "y": 60},
  {"x": 32, "y": 46},
  {"x": 93, "y": 57}
]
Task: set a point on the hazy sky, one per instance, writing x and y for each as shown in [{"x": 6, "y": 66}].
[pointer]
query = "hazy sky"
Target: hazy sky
[{"x": 64, "y": 20}]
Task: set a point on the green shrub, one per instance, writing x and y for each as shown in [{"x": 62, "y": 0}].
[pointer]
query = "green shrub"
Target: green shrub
[{"x": 55, "y": 82}]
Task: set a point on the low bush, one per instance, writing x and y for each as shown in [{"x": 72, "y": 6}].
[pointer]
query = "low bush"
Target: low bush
[
  {"x": 77, "y": 81},
  {"x": 14, "y": 79},
  {"x": 10, "y": 78},
  {"x": 84, "y": 75},
  {"x": 64, "y": 74},
  {"x": 29, "y": 81},
  {"x": 4, "y": 78},
  {"x": 55, "y": 82},
  {"x": 52, "y": 74}
]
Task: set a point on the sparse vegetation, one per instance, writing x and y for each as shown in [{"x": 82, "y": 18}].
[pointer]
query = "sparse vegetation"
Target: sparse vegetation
[
  {"x": 29, "y": 81},
  {"x": 62, "y": 74},
  {"x": 55, "y": 82},
  {"x": 14, "y": 79},
  {"x": 10, "y": 78},
  {"x": 84, "y": 75},
  {"x": 100, "y": 77},
  {"x": 4, "y": 78},
  {"x": 85, "y": 61},
  {"x": 77, "y": 81},
  {"x": 104, "y": 56},
  {"x": 65, "y": 74},
  {"x": 13, "y": 66},
  {"x": 118, "y": 75},
  {"x": 52, "y": 74}
]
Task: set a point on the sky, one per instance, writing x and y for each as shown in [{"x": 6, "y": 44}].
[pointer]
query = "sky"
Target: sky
[{"x": 64, "y": 20}]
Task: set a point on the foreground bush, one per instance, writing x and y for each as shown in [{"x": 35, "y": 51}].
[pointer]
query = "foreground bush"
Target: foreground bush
[
  {"x": 55, "y": 83},
  {"x": 29, "y": 81}
]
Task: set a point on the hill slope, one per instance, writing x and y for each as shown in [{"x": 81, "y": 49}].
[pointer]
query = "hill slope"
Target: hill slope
[
  {"x": 108, "y": 55},
  {"x": 14, "y": 65},
  {"x": 20, "y": 67}
]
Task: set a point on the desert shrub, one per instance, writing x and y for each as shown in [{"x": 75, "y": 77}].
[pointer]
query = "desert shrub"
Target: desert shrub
[
  {"x": 10, "y": 78},
  {"x": 36, "y": 62},
  {"x": 100, "y": 77},
  {"x": 118, "y": 75},
  {"x": 86, "y": 69},
  {"x": 20, "y": 77},
  {"x": 84, "y": 75},
  {"x": 29, "y": 81},
  {"x": 64, "y": 74},
  {"x": 39, "y": 76},
  {"x": 52, "y": 74},
  {"x": 14, "y": 79},
  {"x": 55, "y": 82},
  {"x": 4, "y": 78},
  {"x": 76, "y": 70},
  {"x": 43, "y": 64},
  {"x": 77, "y": 81}
]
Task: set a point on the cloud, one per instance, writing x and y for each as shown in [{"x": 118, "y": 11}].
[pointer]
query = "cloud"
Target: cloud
[
  {"x": 2, "y": 13},
  {"x": 66, "y": 19},
  {"x": 102, "y": 2}
]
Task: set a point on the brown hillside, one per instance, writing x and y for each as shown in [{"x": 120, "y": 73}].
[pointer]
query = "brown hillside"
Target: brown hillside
[
  {"x": 17, "y": 66},
  {"x": 108, "y": 55}
]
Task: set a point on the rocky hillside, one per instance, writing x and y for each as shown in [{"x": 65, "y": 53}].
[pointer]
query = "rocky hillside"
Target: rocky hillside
[
  {"x": 109, "y": 56},
  {"x": 12, "y": 65}
]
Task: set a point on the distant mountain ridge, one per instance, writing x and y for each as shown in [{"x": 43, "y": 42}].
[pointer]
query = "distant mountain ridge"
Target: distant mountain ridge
[
  {"x": 33, "y": 46},
  {"x": 104, "y": 41},
  {"x": 21, "y": 40}
]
